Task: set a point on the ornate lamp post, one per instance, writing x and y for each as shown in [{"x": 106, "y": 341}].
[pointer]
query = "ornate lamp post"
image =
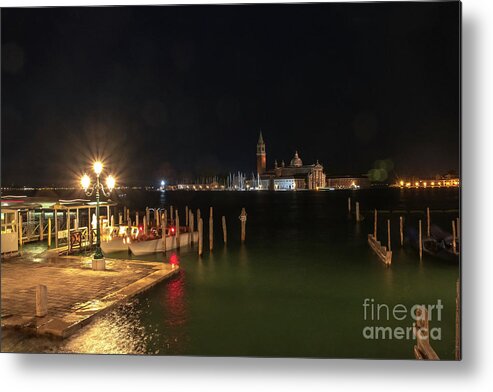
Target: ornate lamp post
[{"x": 98, "y": 260}]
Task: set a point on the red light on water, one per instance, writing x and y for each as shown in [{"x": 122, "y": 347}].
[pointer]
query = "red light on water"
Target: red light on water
[
  {"x": 172, "y": 229},
  {"x": 140, "y": 228},
  {"x": 174, "y": 259}
]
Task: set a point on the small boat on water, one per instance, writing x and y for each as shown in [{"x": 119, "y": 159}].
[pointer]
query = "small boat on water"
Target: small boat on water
[
  {"x": 139, "y": 248},
  {"x": 118, "y": 238},
  {"x": 437, "y": 249},
  {"x": 447, "y": 238},
  {"x": 438, "y": 245},
  {"x": 155, "y": 245},
  {"x": 116, "y": 244}
]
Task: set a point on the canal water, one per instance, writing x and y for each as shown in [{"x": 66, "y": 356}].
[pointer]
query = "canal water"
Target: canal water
[{"x": 295, "y": 288}]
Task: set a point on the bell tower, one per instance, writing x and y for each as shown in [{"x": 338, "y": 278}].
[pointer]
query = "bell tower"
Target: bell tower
[{"x": 261, "y": 156}]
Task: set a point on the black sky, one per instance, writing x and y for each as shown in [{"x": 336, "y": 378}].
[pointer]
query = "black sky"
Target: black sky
[{"x": 183, "y": 91}]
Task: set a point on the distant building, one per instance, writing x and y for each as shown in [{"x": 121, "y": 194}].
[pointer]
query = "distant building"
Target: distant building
[
  {"x": 261, "y": 155},
  {"x": 348, "y": 182},
  {"x": 293, "y": 177}
]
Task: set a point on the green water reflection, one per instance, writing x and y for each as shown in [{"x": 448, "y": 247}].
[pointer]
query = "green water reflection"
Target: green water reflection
[{"x": 296, "y": 288}]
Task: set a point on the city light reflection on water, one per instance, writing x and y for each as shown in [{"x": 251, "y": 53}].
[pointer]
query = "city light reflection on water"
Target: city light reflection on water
[{"x": 119, "y": 332}]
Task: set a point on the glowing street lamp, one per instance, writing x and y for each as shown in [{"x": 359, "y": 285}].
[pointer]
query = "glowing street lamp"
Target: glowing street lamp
[
  {"x": 110, "y": 182},
  {"x": 98, "y": 167},
  {"x": 85, "y": 181}
]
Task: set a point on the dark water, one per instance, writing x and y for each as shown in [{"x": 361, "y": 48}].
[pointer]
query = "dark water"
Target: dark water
[{"x": 295, "y": 288}]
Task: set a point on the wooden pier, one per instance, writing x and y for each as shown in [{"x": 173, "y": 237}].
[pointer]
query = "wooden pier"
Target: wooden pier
[
  {"x": 380, "y": 250},
  {"x": 385, "y": 253}
]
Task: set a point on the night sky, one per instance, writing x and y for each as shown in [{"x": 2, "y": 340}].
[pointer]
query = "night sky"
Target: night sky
[{"x": 176, "y": 92}]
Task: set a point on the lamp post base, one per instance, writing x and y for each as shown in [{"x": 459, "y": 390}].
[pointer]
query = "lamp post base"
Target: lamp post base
[{"x": 98, "y": 264}]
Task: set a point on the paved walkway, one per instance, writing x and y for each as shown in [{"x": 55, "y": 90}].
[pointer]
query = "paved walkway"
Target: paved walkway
[{"x": 76, "y": 293}]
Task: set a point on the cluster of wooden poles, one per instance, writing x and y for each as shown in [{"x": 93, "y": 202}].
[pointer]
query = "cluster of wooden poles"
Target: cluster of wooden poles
[
  {"x": 423, "y": 349},
  {"x": 161, "y": 218},
  {"x": 455, "y": 229},
  {"x": 190, "y": 218}
]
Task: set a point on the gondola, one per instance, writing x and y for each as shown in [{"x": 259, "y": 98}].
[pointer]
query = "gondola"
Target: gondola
[{"x": 438, "y": 245}]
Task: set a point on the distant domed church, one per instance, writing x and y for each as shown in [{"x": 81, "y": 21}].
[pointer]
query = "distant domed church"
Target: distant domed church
[{"x": 292, "y": 177}]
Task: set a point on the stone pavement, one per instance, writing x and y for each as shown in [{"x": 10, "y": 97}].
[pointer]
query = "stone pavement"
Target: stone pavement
[{"x": 76, "y": 293}]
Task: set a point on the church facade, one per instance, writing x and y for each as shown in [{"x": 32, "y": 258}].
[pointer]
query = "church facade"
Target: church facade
[{"x": 294, "y": 176}]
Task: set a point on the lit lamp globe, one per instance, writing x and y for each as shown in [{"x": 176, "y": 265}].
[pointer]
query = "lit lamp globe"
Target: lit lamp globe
[
  {"x": 98, "y": 167},
  {"x": 110, "y": 182},
  {"x": 85, "y": 181}
]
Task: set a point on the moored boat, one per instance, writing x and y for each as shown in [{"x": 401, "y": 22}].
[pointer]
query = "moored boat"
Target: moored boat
[
  {"x": 139, "y": 248},
  {"x": 116, "y": 244},
  {"x": 436, "y": 247},
  {"x": 155, "y": 245}
]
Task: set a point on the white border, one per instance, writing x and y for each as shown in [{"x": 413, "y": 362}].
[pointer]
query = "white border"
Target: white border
[{"x": 474, "y": 373}]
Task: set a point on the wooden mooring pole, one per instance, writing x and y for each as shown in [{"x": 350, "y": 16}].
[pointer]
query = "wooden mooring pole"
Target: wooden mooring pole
[
  {"x": 458, "y": 228},
  {"x": 388, "y": 235},
  {"x": 375, "y": 225},
  {"x": 211, "y": 230},
  {"x": 145, "y": 225},
  {"x": 454, "y": 244},
  {"x": 243, "y": 219},
  {"x": 420, "y": 242},
  {"x": 186, "y": 216},
  {"x": 201, "y": 239},
  {"x": 349, "y": 204},
  {"x": 423, "y": 349},
  {"x": 177, "y": 230},
  {"x": 225, "y": 232},
  {"x": 428, "y": 229},
  {"x": 401, "y": 230},
  {"x": 357, "y": 212},
  {"x": 49, "y": 232},
  {"x": 191, "y": 221},
  {"x": 41, "y": 300}
]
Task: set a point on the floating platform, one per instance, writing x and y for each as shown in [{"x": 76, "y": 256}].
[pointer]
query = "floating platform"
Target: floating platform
[{"x": 380, "y": 250}]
